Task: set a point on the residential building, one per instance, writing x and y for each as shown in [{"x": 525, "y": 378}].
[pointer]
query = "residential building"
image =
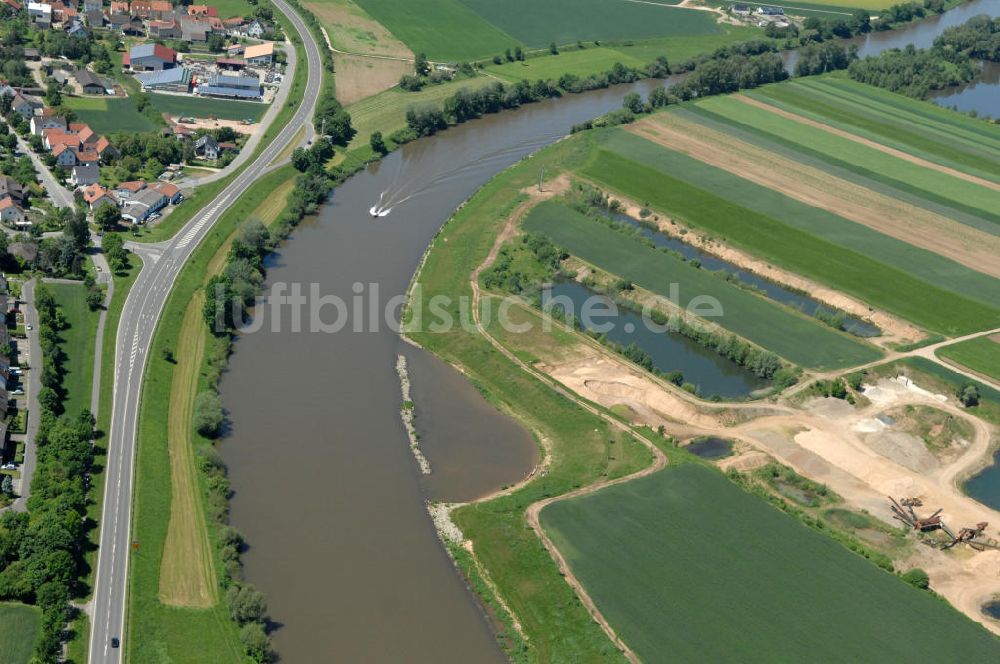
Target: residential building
[
  {"x": 87, "y": 157},
  {"x": 235, "y": 49},
  {"x": 177, "y": 79},
  {"x": 84, "y": 174},
  {"x": 770, "y": 11},
  {"x": 52, "y": 138},
  {"x": 127, "y": 25},
  {"x": 257, "y": 28},
  {"x": 77, "y": 29},
  {"x": 171, "y": 191},
  {"x": 46, "y": 120},
  {"x": 150, "y": 57},
  {"x": 194, "y": 30},
  {"x": 126, "y": 190},
  {"x": 207, "y": 147},
  {"x": 236, "y": 87},
  {"x": 742, "y": 9},
  {"x": 93, "y": 84},
  {"x": 41, "y": 15},
  {"x": 32, "y": 54},
  {"x": 11, "y": 188},
  {"x": 24, "y": 106},
  {"x": 142, "y": 205},
  {"x": 95, "y": 195},
  {"x": 167, "y": 29},
  {"x": 95, "y": 18},
  {"x": 150, "y": 9},
  {"x": 259, "y": 54},
  {"x": 65, "y": 155},
  {"x": 104, "y": 149},
  {"x": 202, "y": 10},
  {"x": 119, "y": 7},
  {"x": 11, "y": 213},
  {"x": 83, "y": 132},
  {"x": 93, "y": 5}
]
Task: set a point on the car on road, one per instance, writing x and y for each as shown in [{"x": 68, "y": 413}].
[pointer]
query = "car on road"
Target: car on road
[
  {"x": 115, "y": 642},
  {"x": 18, "y": 392},
  {"x": 29, "y": 327},
  {"x": 9, "y": 466}
]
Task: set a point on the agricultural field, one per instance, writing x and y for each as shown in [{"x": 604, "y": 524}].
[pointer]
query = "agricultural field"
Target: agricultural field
[
  {"x": 107, "y": 116},
  {"x": 18, "y": 628},
  {"x": 204, "y": 107},
  {"x": 919, "y": 285},
  {"x": 794, "y": 336},
  {"x": 475, "y": 29},
  {"x": 711, "y": 573},
  {"x": 79, "y": 340},
  {"x": 940, "y": 186},
  {"x": 443, "y": 29},
  {"x": 981, "y": 355},
  {"x": 918, "y": 127}
]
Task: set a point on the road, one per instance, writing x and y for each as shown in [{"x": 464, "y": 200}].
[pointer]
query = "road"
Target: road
[
  {"x": 60, "y": 195},
  {"x": 142, "y": 309}
]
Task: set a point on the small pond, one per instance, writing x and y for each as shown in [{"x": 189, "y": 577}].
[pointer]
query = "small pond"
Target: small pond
[{"x": 711, "y": 448}]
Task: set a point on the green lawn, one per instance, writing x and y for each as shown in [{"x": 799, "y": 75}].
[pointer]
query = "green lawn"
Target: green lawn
[
  {"x": 581, "y": 63},
  {"x": 78, "y": 344},
  {"x": 686, "y": 566},
  {"x": 566, "y": 21},
  {"x": 918, "y": 285},
  {"x": 18, "y": 628},
  {"x": 918, "y": 127},
  {"x": 443, "y": 29},
  {"x": 942, "y": 185},
  {"x": 204, "y": 107},
  {"x": 792, "y": 335},
  {"x": 229, "y": 8},
  {"x": 107, "y": 116},
  {"x": 982, "y": 355}
]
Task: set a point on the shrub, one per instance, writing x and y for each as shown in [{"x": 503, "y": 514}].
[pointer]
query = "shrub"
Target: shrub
[{"x": 208, "y": 415}]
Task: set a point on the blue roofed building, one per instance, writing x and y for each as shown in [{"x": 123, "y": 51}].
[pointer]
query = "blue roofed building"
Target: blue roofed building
[{"x": 235, "y": 87}]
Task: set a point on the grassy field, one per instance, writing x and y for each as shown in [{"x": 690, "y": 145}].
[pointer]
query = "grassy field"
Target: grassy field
[
  {"x": 582, "y": 447},
  {"x": 107, "y": 116},
  {"x": 18, "y": 627},
  {"x": 796, "y": 337},
  {"x": 443, "y": 29},
  {"x": 78, "y": 344},
  {"x": 981, "y": 355},
  {"x": 941, "y": 185},
  {"x": 204, "y": 107},
  {"x": 702, "y": 571},
  {"x": 229, "y": 8},
  {"x": 566, "y": 21},
  {"x": 918, "y": 127},
  {"x": 888, "y": 273}
]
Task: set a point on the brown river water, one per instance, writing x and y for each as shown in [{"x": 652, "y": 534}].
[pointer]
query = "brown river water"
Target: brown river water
[{"x": 326, "y": 490}]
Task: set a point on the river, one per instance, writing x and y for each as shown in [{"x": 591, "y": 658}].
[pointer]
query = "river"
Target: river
[{"x": 326, "y": 491}]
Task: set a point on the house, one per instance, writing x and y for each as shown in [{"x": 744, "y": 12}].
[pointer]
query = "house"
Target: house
[
  {"x": 104, "y": 149},
  {"x": 150, "y": 57},
  {"x": 259, "y": 54},
  {"x": 87, "y": 157},
  {"x": 84, "y": 174},
  {"x": 231, "y": 26},
  {"x": 207, "y": 148},
  {"x": 126, "y": 190},
  {"x": 177, "y": 79},
  {"x": 32, "y": 54},
  {"x": 235, "y": 49},
  {"x": 95, "y": 195},
  {"x": 93, "y": 84},
  {"x": 194, "y": 30},
  {"x": 231, "y": 64},
  {"x": 23, "y": 106},
  {"x": 95, "y": 18},
  {"x": 65, "y": 155},
  {"x": 10, "y": 213},
  {"x": 11, "y": 188},
  {"x": 150, "y": 9},
  {"x": 741, "y": 9},
  {"x": 165, "y": 29},
  {"x": 171, "y": 191},
  {"x": 235, "y": 87},
  {"x": 256, "y": 28},
  {"x": 77, "y": 29},
  {"x": 770, "y": 11},
  {"x": 142, "y": 205},
  {"x": 119, "y": 7},
  {"x": 127, "y": 25},
  {"x": 202, "y": 10},
  {"x": 83, "y": 132},
  {"x": 47, "y": 120},
  {"x": 92, "y": 5},
  {"x": 52, "y": 138},
  {"x": 41, "y": 15}
]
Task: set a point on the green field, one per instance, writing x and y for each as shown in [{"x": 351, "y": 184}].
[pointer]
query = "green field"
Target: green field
[
  {"x": 107, "y": 116},
  {"x": 566, "y": 21},
  {"x": 794, "y": 336},
  {"x": 941, "y": 185},
  {"x": 981, "y": 355},
  {"x": 915, "y": 284},
  {"x": 443, "y": 29},
  {"x": 229, "y": 8},
  {"x": 78, "y": 344},
  {"x": 18, "y": 628},
  {"x": 701, "y": 571},
  {"x": 918, "y": 127},
  {"x": 204, "y": 107}
]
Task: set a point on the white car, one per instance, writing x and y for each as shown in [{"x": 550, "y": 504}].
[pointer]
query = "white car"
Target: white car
[
  {"x": 18, "y": 392},
  {"x": 29, "y": 327}
]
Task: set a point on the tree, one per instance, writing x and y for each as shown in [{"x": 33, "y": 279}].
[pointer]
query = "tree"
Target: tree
[
  {"x": 7, "y": 486},
  {"x": 968, "y": 394},
  {"x": 632, "y": 102},
  {"x": 518, "y": 54},
  {"x": 420, "y": 65},
  {"x": 377, "y": 143},
  {"x": 246, "y": 603},
  {"x": 507, "y": 56},
  {"x": 255, "y": 640},
  {"x": 53, "y": 96},
  {"x": 107, "y": 217},
  {"x": 167, "y": 354},
  {"x": 208, "y": 415},
  {"x": 215, "y": 43},
  {"x": 917, "y": 577},
  {"x": 95, "y": 299},
  {"x": 49, "y": 401},
  {"x": 553, "y": 49}
]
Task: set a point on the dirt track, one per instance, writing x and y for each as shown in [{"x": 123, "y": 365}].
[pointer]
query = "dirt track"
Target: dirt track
[{"x": 969, "y": 246}]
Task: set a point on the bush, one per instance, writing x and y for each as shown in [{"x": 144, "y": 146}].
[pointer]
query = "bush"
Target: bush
[
  {"x": 208, "y": 415},
  {"x": 246, "y": 603},
  {"x": 918, "y": 578}
]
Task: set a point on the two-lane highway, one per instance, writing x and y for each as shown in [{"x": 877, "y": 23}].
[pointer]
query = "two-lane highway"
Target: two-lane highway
[{"x": 135, "y": 332}]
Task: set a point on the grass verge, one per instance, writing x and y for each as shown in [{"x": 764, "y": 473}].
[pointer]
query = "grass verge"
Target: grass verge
[
  {"x": 79, "y": 339},
  {"x": 18, "y": 628}
]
